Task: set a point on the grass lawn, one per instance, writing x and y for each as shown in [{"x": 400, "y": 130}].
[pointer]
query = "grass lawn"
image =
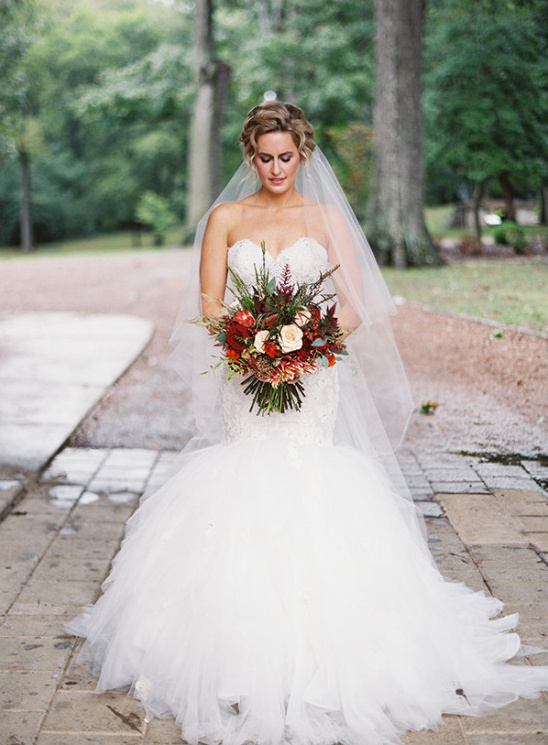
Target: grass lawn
[
  {"x": 122, "y": 240},
  {"x": 507, "y": 292}
]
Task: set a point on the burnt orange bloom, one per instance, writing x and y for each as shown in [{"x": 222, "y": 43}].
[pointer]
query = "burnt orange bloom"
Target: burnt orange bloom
[{"x": 271, "y": 348}]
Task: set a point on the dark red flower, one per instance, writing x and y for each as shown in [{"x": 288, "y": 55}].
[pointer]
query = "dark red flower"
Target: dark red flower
[
  {"x": 236, "y": 335},
  {"x": 304, "y": 352}
]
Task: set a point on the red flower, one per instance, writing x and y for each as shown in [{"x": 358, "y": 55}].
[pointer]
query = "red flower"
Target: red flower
[
  {"x": 236, "y": 334},
  {"x": 244, "y": 317},
  {"x": 304, "y": 352},
  {"x": 271, "y": 348},
  {"x": 315, "y": 312},
  {"x": 232, "y": 353}
]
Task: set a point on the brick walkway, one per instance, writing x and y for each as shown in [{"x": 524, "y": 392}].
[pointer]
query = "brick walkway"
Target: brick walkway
[{"x": 487, "y": 525}]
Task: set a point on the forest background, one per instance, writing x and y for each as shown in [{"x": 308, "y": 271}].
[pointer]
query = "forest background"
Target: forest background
[{"x": 98, "y": 98}]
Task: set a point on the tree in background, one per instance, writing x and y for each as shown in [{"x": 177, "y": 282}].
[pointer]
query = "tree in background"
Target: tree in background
[
  {"x": 328, "y": 72},
  {"x": 154, "y": 212},
  {"x": 21, "y": 135},
  {"x": 103, "y": 98},
  {"x": 113, "y": 90},
  {"x": 211, "y": 78},
  {"x": 395, "y": 215},
  {"x": 487, "y": 95}
]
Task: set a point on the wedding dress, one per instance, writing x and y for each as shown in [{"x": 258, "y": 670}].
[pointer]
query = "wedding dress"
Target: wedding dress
[{"x": 274, "y": 590}]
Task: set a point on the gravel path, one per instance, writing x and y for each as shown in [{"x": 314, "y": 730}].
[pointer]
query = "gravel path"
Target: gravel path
[{"x": 492, "y": 392}]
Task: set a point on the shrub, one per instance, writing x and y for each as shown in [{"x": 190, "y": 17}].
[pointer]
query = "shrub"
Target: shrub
[
  {"x": 154, "y": 211},
  {"x": 511, "y": 234}
]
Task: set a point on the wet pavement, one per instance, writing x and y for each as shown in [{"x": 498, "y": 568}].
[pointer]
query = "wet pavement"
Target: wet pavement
[
  {"x": 54, "y": 368},
  {"x": 487, "y": 525}
]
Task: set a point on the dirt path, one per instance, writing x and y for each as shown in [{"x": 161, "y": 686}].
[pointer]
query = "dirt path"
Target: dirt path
[{"x": 492, "y": 392}]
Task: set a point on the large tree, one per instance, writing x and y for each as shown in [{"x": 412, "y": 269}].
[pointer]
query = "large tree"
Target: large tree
[
  {"x": 111, "y": 89},
  {"x": 21, "y": 136},
  {"x": 487, "y": 90},
  {"x": 211, "y": 77},
  {"x": 395, "y": 214}
]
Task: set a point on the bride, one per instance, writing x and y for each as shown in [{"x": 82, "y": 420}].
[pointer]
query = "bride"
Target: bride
[{"x": 278, "y": 587}]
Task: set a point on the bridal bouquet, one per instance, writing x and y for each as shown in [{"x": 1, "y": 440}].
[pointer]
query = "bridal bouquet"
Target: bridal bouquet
[{"x": 274, "y": 333}]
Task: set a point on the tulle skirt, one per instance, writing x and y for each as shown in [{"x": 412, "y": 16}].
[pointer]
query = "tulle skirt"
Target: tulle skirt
[{"x": 273, "y": 593}]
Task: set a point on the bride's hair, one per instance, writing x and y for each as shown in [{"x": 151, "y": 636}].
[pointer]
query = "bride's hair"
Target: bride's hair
[{"x": 275, "y": 116}]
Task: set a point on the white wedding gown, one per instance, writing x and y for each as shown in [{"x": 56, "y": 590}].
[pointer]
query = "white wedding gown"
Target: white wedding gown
[{"x": 274, "y": 590}]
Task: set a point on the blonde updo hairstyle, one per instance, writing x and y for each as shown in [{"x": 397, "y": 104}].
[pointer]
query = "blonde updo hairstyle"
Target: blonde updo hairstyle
[{"x": 275, "y": 116}]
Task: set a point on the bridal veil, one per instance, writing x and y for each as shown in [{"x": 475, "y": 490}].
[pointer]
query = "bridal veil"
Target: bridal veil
[{"x": 375, "y": 401}]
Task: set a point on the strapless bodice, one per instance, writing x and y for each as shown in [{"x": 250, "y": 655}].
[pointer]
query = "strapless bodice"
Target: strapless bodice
[{"x": 306, "y": 258}]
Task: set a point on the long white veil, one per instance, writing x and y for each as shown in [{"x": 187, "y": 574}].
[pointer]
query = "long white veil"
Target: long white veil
[{"x": 375, "y": 401}]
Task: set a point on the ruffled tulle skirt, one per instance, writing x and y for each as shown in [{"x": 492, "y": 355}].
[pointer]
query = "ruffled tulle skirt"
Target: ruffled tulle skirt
[{"x": 271, "y": 592}]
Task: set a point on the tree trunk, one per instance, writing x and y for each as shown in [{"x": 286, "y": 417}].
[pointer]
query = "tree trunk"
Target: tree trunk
[
  {"x": 27, "y": 230},
  {"x": 477, "y": 197},
  {"x": 395, "y": 211},
  {"x": 543, "y": 216},
  {"x": 205, "y": 138},
  {"x": 508, "y": 195},
  {"x": 271, "y": 15}
]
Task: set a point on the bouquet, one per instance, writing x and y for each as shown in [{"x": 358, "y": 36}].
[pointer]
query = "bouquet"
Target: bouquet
[{"x": 274, "y": 333}]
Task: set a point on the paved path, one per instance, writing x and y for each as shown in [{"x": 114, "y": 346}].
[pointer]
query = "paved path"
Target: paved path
[
  {"x": 59, "y": 542},
  {"x": 487, "y": 525},
  {"x": 54, "y": 368}
]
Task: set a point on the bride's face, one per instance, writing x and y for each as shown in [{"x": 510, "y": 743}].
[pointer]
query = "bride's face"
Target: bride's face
[{"x": 277, "y": 161}]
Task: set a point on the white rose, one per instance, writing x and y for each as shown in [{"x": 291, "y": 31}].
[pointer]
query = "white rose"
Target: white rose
[
  {"x": 260, "y": 338},
  {"x": 302, "y": 317},
  {"x": 291, "y": 338}
]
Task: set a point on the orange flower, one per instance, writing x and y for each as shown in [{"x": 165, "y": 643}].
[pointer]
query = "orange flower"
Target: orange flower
[
  {"x": 271, "y": 348},
  {"x": 232, "y": 353}
]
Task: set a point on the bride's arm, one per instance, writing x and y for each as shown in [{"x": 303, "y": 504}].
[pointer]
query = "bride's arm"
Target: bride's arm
[{"x": 213, "y": 263}]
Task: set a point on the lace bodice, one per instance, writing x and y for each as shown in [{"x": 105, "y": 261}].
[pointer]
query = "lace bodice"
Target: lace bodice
[
  {"x": 307, "y": 259},
  {"x": 316, "y": 419}
]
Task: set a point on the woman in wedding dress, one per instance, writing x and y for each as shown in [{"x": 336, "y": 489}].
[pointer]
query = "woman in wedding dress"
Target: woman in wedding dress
[{"x": 278, "y": 587}]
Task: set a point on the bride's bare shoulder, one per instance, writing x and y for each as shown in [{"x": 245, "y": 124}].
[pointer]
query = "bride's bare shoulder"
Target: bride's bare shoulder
[
  {"x": 226, "y": 210},
  {"x": 226, "y": 214},
  {"x": 322, "y": 213}
]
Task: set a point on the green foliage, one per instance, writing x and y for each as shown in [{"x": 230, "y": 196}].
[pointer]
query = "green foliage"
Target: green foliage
[
  {"x": 318, "y": 55},
  {"x": 352, "y": 145},
  {"x": 486, "y": 89},
  {"x": 98, "y": 94},
  {"x": 155, "y": 212},
  {"x": 510, "y": 234},
  {"x": 103, "y": 93}
]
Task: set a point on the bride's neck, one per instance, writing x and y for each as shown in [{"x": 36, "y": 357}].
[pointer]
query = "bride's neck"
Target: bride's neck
[{"x": 276, "y": 202}]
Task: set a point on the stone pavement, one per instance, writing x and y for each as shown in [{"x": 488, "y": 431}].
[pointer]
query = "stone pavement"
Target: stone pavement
[
  {"x": 54, "y": 368},
  {"x": 487, "y": 525}
]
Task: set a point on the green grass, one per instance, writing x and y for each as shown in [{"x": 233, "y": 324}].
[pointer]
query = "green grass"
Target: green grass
[
  {"x": 438, "y": 221},
  {"x": 120, "y": 241},
  {"x": 507, "y": 292}
]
